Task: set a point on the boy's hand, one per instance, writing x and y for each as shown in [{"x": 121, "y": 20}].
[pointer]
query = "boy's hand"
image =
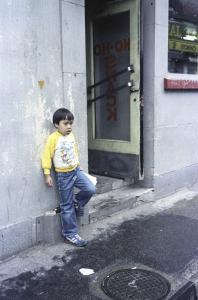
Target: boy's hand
[{"x": 49, "y": 180}]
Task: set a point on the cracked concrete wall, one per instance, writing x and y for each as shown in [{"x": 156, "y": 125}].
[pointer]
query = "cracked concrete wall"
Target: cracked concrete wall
[
  {"x": 170, "y": 125},
  {"x": 36, "y": 50}
]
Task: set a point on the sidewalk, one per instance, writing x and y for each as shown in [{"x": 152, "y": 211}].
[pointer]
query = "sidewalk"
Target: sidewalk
[{"x": 160, "y": 236}]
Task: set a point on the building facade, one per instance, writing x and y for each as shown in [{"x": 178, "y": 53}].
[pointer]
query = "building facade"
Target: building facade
[{"x": 137, "y": 119}]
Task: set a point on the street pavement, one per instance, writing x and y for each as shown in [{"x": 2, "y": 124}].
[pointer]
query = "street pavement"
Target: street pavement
[{"x": 159, "y": 236}]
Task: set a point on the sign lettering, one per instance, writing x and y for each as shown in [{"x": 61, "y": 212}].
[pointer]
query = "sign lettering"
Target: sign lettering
[
  {"x": 117, "y": 46},
  {"x": 111, "y": 64},
  {"x": 183, "y": 37}
]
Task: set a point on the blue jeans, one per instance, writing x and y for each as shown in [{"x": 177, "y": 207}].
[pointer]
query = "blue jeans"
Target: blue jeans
[{"x": 66, "y": 183}]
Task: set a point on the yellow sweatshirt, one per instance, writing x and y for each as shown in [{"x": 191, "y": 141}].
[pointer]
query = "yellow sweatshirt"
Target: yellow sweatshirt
[{"x": 62, "y": 150}]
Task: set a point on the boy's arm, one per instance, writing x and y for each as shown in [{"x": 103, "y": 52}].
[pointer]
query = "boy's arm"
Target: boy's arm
[
  {"x": 46, "y": 161},
  {"x": 77, "y": 152}
]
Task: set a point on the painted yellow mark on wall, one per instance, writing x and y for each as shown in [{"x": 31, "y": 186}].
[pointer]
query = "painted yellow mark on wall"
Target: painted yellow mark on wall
[{"x": 41, "y": 84}]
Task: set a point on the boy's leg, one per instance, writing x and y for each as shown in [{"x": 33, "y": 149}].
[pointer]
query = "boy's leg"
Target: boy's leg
[
  {"x": 87, "y": 188},
  {"x": 65, "y": 182}
]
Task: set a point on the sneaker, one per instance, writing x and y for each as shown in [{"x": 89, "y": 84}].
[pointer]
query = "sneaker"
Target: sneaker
[
  {"x": 76, "y": 240},
  {"x": 79, "y": 210}
]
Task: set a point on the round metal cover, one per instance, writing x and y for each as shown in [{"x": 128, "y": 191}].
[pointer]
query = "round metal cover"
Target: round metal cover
[{"x": 135, "y": 284}]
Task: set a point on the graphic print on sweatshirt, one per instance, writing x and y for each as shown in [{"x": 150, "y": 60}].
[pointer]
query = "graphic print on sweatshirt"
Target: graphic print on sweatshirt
[{"x": 65, "y": 153}]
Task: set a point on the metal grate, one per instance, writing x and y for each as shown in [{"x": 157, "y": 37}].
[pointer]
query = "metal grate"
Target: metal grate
[{"x": 135, "y": 284}]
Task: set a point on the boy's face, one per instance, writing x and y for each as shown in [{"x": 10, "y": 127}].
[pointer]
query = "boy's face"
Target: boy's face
[{"x": 64, "y": 127}]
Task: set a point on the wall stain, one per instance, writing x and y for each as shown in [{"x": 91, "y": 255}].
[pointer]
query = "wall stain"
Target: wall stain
[{"x": 41, "y": 84}]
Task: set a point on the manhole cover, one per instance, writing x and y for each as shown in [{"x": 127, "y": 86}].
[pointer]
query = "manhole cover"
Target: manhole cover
[{"x": 135, "y": 284}]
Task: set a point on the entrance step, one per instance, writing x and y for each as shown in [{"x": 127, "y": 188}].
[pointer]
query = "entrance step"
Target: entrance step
[
  {"x": 107, "y": 184},
  {"x": 127, "y": 197}
]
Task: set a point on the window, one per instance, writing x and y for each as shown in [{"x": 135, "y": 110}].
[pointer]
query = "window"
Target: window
[
  {"x": 183, "y": 36},
  {"x": 112, "y": 54}
]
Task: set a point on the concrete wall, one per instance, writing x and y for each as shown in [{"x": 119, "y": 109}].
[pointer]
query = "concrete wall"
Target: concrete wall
[
  {"x": 148, "y": 40},
  {"x": 42, "y": 68},
  {"x": 74, "y": 69},
  {"x": 171, "y": 136}
]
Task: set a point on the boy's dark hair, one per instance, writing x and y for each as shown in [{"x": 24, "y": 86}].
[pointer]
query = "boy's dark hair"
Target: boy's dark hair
[{"x": 62, "y": 114}]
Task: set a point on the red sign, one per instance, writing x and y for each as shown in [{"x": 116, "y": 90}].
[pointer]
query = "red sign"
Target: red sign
[{"x": 180, "y": 84}]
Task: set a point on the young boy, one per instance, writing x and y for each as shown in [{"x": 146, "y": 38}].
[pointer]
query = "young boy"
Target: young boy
[{"x": 61, "y": 148}]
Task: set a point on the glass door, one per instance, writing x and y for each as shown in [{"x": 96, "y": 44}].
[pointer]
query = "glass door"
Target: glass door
[{"x": 113, "y": 106}]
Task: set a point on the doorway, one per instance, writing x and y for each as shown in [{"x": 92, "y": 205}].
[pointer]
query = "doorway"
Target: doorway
[{"x": 113, "y": 77}]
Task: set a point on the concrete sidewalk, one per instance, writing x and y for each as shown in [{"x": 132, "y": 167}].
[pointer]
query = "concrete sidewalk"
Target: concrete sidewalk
[{"x": 158, "y": 236}]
